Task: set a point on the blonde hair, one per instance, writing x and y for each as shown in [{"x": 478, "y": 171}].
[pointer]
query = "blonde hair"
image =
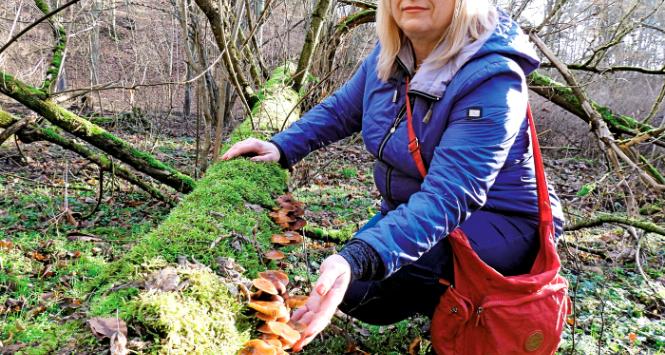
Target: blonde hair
[{"x": 471, "y": 19}]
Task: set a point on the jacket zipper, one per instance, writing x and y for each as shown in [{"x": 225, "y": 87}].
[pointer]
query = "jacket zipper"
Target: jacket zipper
[
  {"x": 392, "y": 130},
  {"x": 389, "y": 172}
]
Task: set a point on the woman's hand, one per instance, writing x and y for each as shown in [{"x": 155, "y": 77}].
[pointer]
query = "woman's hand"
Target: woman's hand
[
  {"x": 261, "y": 150},
  {"x": 328, "y": 293}
]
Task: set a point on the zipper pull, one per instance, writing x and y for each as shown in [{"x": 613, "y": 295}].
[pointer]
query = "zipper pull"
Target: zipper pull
[
  {"x": 395, "y": 96},
  {"x": 478, "y": 312},
  {"x": 428, "y": 115}
]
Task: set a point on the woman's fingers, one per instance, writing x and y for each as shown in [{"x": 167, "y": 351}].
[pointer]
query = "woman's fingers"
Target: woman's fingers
[
  {"x": 244, "y": 147},
  {"x": 264, "y": 151}
]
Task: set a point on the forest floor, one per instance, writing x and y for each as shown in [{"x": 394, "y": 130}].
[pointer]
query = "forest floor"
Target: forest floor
[{"x": 46, "y": 252}]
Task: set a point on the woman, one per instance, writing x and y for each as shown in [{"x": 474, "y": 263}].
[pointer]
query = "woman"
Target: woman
[{"x": 464, "y": 64}]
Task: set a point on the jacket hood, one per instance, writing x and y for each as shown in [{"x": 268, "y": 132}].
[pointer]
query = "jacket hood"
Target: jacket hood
[{"x": 505, "y": 38}]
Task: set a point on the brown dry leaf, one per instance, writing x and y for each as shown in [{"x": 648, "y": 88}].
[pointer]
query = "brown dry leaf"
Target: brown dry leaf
[
  {"x": 38, "y": 310},
  {"x": 47, "y": 271},
  {"x": 119, "y": 344},
  {"x": 414, "y": 347},
  {"x": 37, "y": 256},
  {"x": 257, "y": 347},
  {"x": 83, "y": 237},
  {"x": 296, "y": 301},
  {"x": 265, "y": 286},
  {"x": 106, "y": 327},
  {"x": 274, "y": 255},
  {"x": 285, "y": 331},
  {"x": 6, "y": 244},
  {"x": 166, "y": 279},
  {"x": 280, "y": 239}
]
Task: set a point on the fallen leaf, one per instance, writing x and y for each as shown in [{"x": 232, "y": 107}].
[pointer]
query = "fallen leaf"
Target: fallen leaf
[
  {"x": 37, "y": 256},
  {"x": 414, "y": 347},
  {"x": 106, "y": 327},
  {"x": 119, "y": 344},
  {"x": 6, "y": 244},
  {"x": 166, "y": 279},
  {"x": 83, "y": 237},
  {"x": 632, "y": 337}
]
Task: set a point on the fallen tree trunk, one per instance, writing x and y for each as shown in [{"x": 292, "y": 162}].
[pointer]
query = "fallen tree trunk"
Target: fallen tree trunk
[
  {"x": 38, "y": 101},
  {"x": 33, "y": 133},
  {"x": 209, "y": 226}
]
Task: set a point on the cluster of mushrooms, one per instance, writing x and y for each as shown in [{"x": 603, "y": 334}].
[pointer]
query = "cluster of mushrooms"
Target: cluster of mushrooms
[{"x": 271, "y": 300}]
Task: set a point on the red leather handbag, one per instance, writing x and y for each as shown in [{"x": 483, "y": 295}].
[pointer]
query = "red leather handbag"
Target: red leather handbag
[{"x": 485, "y": 312}]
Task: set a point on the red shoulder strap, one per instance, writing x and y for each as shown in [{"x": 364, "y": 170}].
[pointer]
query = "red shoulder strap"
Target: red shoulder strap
[
  {"x": 414, "y": 146},
  {"x": 544, "y": 206}
]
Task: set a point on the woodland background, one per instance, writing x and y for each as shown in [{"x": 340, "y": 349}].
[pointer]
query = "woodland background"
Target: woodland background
[{"x": 113, "y": 205}]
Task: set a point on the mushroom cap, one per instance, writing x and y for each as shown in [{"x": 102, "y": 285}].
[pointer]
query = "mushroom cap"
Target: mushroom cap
[
  {"x": 274, "y": 255},
  {"x": 271, "y": 308},
  {"x": 296, "y": 301},
  {"x": 280, "y": 239},
  {"x": 265, "y": 317},
  {"x": 299, "y": 327},
  {"x": 293, "y": 237},
  {"x": 278, "y": 278},
  {"x": 290, "y": 335},
  {"x": 258, "y": 347},
  {"x": 265, "y": 285}
]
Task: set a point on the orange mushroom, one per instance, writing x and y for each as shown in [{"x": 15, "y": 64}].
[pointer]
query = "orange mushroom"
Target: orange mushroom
[
  {"x": 280, "y": 239},
  {"x": 258, "y": 347},
  {"x": 293, "y": 237},
  {"x": 296, "y": 301},
  {"x": 274, "y": 309},
  {"x": 265, "y": 285},
  {"x": 274, "y": 255},
  {"x": 290, "y": 335},
  {"x": 278, "y": 278},
  {"x": 299, "y": 327}
]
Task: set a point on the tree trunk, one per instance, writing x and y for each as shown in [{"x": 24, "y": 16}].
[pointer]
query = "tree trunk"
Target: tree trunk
[{"x": 311, "y": 42}]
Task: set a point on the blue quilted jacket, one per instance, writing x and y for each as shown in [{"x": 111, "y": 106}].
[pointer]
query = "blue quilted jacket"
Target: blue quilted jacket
[{"x": 470, "y": 118}]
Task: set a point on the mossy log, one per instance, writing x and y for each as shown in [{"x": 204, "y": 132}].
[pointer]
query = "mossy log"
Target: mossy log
[
  {"x": 38, "y": 101},
  {"x": 202, "y": 317},
  {"x": 564, "y": 97},
  {"x": 58, "y": 55},
  {"x": 34, "y": 133}
]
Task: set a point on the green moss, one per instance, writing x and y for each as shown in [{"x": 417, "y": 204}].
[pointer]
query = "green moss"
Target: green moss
[
  {"x": 202, "y": 319},
  {"x": 277, "y": 99},
  {"x": 42, "y": 6}
]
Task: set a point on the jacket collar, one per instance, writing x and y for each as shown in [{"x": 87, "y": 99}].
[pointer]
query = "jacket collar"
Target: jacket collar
[{"x": 431, "y": 80}]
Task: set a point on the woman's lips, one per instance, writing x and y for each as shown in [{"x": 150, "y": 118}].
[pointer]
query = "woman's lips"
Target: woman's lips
[{"x": 413, "y": 9}]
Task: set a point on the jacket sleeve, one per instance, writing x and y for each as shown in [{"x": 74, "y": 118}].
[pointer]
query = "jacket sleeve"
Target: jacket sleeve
[
  {"x": 337, "y": 117},
  {"x": 465, "y": 164}
]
